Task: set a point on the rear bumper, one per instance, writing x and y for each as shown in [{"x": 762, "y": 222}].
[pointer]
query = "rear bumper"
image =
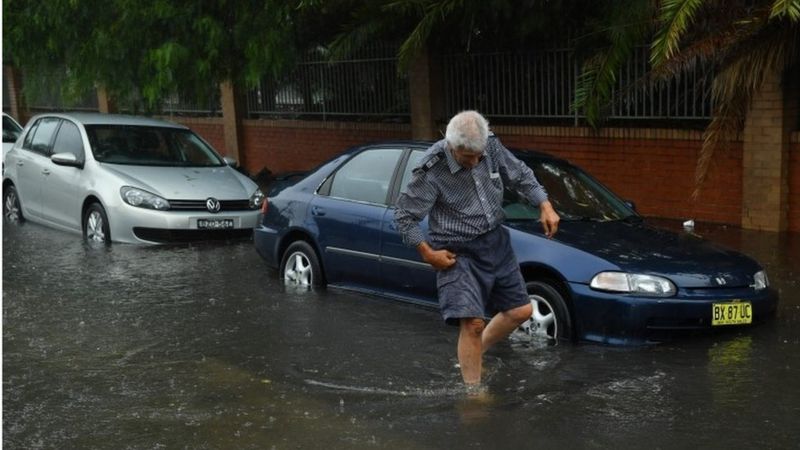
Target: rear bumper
[
  {"x": 628, "y": 320},
  {"x": 266, "y": 243}
]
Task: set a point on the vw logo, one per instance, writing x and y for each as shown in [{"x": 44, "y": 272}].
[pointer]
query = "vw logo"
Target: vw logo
[{"x": 213, "y": 205}]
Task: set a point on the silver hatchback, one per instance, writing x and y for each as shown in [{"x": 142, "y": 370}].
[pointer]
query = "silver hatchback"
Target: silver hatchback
[{"x": 127, "y": 179}]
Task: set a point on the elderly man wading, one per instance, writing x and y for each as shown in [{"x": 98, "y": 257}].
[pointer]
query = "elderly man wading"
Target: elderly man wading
[{"x": 459, "y": 186}]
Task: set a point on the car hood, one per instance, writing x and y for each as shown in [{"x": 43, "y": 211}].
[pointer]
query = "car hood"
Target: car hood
[
  {"x": 688, "y": 260},
  {"x": 186, "y": 183}
]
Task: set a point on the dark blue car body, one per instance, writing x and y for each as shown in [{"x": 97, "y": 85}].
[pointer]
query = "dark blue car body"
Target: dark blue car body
[{"x": 359, "y": 248}]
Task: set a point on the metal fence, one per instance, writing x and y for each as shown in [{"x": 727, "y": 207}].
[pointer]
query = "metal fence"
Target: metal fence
[
  {"x": 365, "y": 86},
  {"x": 541, "y": 85}
]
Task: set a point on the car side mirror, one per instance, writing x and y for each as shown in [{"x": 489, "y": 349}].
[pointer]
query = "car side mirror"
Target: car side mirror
[
  {"x": 631, "y": 205},
  {"x": 66, "y": 159},
  {"x": 231, "y": 162}
]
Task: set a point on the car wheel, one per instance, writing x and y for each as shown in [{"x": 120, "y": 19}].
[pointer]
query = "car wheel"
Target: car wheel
[
  {"x": 95, "y": 225},
  {"x": 12, "y": 211},
  {"x": 550, "y": 319},
  {"x": 300, "y": 266}
]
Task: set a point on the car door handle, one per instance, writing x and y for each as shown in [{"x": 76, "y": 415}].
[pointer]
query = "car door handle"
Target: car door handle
[
  {"x": 45, "y": 171},
  {"x": 20, "y": 163},
  {"x": 317, "y": 211}
]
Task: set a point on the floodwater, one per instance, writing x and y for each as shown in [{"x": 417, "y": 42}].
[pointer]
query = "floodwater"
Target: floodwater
[{"x": 199, "y": 346}]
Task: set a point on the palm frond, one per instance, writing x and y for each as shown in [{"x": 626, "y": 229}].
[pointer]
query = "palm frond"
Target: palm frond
[
  {"x": 740, "y": 77},
  {"x": 786, "y": 8},
  {"x": 435, "y": 13},
  {"x": 675, "y": 17}
]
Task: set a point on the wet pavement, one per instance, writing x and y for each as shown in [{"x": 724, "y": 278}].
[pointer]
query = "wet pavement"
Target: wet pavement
[{"x": 200, "y": 346}]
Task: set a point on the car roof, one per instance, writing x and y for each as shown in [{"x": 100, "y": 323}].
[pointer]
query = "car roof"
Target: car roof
[
  {"x": 421, "y": 144},
  {"x": 111, "y": 119}
]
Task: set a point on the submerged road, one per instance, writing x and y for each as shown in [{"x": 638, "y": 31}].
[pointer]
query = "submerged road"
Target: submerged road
[{"x": 200, "y": 346}]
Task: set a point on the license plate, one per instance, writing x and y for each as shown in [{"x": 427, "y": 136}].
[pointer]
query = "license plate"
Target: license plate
[
  {"x": 214, "y": 224},
  {"x": 731, "y": 313}
]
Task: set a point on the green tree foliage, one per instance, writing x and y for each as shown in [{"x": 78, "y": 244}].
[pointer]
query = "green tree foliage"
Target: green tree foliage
[
  {"x": 155, "y": 47},
  {"x": 457, "y": 25}
]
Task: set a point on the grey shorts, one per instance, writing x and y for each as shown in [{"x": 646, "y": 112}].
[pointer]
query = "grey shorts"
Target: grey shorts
[{"x": 484, "y": 280}]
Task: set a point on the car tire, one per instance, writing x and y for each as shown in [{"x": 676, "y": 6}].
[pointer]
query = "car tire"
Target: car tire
[
  {"x": 95, "y": 225},
  {"x": 12, "y": 209},
  {"x": 551, "y": 320},
  {"x": 300, "y": 266}
]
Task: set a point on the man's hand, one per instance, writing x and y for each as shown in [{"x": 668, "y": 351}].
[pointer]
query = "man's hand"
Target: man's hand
[
  {"x": 549, "y": 218},
  {"x": 439, "y": 259}
]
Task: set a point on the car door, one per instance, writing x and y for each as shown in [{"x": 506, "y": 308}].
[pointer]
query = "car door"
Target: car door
[
  {"x": 348, "y": 212},
  {"x": 402, "y": 268},
  {"x": 61, "y": 203},
  {"x": 31, "y": 163}
]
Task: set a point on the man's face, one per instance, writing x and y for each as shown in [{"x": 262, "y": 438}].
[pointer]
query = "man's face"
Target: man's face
[{"x": 467, "y": 158}]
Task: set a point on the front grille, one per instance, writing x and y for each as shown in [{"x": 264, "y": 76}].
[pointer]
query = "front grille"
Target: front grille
[
  {"x": 161, "y": 235},
  {"x": 200, "y": 205}
]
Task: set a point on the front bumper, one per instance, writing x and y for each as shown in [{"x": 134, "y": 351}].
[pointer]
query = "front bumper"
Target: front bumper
[
  {"x": 146, "y": 226},
  {"x": 630, "y": 320}
]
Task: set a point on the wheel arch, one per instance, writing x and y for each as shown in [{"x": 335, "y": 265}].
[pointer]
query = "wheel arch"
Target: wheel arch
[
  {"x": 536, "y": 272},
  {"x": 299, "y": 235}
]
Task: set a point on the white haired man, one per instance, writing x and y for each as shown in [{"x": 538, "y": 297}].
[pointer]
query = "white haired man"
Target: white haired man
[{"x": 459, "y": 185}]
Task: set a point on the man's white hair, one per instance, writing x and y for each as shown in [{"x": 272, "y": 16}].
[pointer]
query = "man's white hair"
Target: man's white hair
[{"x": 468, "y": 130}]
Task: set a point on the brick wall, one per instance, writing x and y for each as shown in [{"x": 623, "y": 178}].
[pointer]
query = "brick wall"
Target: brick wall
[
  {"x": 653, "y": 168},
  {"x": 794, "y": 182},
  {"x": 284, "y": 145}
]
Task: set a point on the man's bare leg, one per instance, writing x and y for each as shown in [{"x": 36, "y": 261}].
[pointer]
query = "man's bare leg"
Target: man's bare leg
[
  {"x": 470, "y": 350},
  {"x": 502, "y": 324}
]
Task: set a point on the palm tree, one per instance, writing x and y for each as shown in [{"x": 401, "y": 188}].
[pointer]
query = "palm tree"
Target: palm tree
[{"x": 742, "y": 40}]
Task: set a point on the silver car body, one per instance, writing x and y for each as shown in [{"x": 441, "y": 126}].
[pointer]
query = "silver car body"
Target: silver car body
[{"x": 58, "y": 195}]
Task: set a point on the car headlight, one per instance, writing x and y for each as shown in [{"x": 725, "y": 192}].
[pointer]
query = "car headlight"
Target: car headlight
[
  {"x": 256, "y": 199},
  {"x": 142, "y": 199},
  {"x": 649, "y": 285},
  {"x": 760, "y": 280}
]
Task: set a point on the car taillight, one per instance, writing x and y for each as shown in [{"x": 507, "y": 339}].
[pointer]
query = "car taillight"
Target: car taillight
[{"x": 264, "y": 205}]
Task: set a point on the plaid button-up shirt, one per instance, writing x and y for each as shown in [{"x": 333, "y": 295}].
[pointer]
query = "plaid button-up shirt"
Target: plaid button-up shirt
[{"x": 462, "y": 204}]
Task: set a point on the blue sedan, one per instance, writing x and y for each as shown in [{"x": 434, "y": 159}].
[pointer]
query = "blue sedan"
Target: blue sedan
[{"x": 605, "y": 277}]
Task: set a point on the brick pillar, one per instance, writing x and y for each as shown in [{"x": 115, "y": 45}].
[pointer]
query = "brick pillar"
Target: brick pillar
[
  {"x": 18, "y": 108},
  {"x": 105, "y": 103},
  {"x": 232, "y": 115},
  {"x": 425, "y": 90},
  {"x": 765, "y": 158}
]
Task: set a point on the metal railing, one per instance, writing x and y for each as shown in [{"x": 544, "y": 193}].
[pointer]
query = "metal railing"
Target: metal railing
[
  {"x": 366, "y": 86},
  {"x": 541, "y": 85}
]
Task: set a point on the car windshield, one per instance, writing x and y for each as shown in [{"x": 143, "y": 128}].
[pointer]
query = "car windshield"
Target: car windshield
[
  {"x": 574, "y": 194},
  {"x": 150, "y": 146}
]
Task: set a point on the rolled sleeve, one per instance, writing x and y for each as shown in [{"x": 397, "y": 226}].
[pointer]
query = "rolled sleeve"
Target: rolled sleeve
[{"x": 412, "y": 206}]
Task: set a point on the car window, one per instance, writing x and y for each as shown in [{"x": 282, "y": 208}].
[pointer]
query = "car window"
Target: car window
[
  {"x": 413, "y": 161},
  {"x": 29, "y": 137},
  {"x": 69, "y": 140},
  {"x": 43, "y": 135},
  {"x": 150, "y": 146},
  {"x": 11, "y": 130},
  {"x": 366, "y": 176}
]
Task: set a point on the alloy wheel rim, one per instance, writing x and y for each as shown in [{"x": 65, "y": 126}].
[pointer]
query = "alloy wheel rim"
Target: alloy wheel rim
[
  {"x": 11, "y": 209},
  {"x": 94, "y": 228},
  {"x": 298, "y": 270},
  {"x": 542, "y": 323}
]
